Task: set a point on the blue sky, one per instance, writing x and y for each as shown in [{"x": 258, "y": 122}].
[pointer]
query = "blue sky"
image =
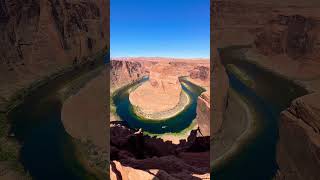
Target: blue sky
[{"x": 160, "y": 28}]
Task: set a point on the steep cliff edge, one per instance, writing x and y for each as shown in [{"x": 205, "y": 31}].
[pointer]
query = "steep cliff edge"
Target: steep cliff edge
[
  {"x": 200, "y": 75},
  {"x": 298, "y": 148},
  {"x": 124, "y": 72},
  {"x": 135, "y": 155},
  {"x": 284, "y": 38},
  {"x": 219, "y": 93},
  {"x": 203, "y": 113},
  {"x": 39, "y": 38}
]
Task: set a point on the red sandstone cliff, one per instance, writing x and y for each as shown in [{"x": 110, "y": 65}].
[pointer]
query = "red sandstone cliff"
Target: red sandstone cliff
[
  {"x": 298, "y": 148},
  {"x": 284, "y": 36},
  {"x": 41, "y": 37},
  {"x": 203, "y": 113},
  {"x": 137, "y": 155},
  {"x": 125, "y": 72}
]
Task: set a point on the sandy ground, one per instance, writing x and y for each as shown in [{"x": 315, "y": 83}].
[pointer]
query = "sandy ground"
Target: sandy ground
[{"x": 84, "y": 114}]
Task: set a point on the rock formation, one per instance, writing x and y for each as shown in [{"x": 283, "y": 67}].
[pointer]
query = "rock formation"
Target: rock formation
[
  {"x": 283, "y": 37},
  {"x": 298, "y": 148},
  {"x": 125, "y": 72},
  {"x": 39, "y": 38},
  {"x": 200, "y": 75},
  {"x": 203, "y": 113},
  {"x": 134, "y": 155},
  {"x": 161, "y": 93}
]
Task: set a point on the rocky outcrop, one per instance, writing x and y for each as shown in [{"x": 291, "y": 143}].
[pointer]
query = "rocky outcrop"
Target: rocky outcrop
[
  {"x": 283, "y": 37},
  {"x": 293, "y": 35},
  {"x": 39, "y": 38},
  {"x": 125, "y": 72},
  {"x": 298, "y": 149},
  {"x": 161, "y": 93},
  {"x": 137, "y": 154},
  {"x": 220, "y": 93},
  {"x": 203, "y": 113},
  {"x": 200, "y": 72}
]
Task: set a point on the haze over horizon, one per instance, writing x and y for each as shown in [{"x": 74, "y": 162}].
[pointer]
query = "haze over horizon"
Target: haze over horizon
[{"x": 167, "y": 28}]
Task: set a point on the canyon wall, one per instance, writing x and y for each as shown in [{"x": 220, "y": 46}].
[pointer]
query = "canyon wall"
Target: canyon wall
[
  {"x": 283, "y": 37},
  {"x": 219, "y": 78},
  {"x": 125, "y": 72},
  {"x": 40, "y": 37},
  {"x": 219, "y": 92},
  {"x": 298, "y": 150},
  {"x": 200, "y": 75},
  {"x": 203, "y": 113}
]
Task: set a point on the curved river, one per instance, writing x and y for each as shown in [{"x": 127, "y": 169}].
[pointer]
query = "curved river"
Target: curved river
[
  {"x": 174, "y": 124},
  {"x": 271, "y": 94},
  {"x": 47, "y": 151}
]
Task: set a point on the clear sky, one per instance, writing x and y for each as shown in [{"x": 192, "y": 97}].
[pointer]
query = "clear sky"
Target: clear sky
[{"x": 160, "y": 28}]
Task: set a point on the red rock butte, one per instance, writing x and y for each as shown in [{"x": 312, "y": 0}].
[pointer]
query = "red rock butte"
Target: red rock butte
[{"x": 161, "y": 92}]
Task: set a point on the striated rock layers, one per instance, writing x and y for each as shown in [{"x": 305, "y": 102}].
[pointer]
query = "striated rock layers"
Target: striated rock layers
[
  {"x": 298, "y": 148},
  {"x": 136, "y": 155},
  {"x": 125, "y": 72},
  {"x": 200, "y": 75},
  {"x": 284, "y": 38},
  {"x": 41, "y": 37}
]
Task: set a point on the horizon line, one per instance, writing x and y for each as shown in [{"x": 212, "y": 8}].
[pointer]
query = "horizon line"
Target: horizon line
[{"x": 164, "y": 57}]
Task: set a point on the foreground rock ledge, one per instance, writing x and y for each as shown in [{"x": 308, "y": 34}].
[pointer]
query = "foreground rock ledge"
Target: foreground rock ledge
[{"x": 134, "y": 155}]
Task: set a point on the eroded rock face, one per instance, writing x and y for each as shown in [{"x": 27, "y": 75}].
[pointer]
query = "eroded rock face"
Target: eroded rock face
[
  {"x": 125, "y": 72},
  {"x": 298, "y": 149},
  {"x": 200, "y": 72},
  {"x": 203, "y": 113},
  {"x": 283, "y": 37},
  {"x": 137, "y": 154},
  {"x": 293, "y": 35},
  {"x": 40, "y": 37},
  {"x": 220, "y": 93}
]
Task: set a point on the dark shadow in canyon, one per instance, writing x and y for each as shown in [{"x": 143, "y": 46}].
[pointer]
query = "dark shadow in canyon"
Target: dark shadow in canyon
[{"x": 143, "y": 152}]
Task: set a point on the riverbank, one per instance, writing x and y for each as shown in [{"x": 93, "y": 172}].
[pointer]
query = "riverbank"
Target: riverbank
[
  {"x": 266, "y": 106},
  {"x": 233, "y": 134},
  {"x": 288, "y": 69},
  {"x": 84, "y": 118},
  {"x": 184, "y": 101},
  {"x": 175, "y": 138},
  {"x": 113, "y": 92},
  {"x": 10, "y": 166},
  {"x": 10, "y": 146}
]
